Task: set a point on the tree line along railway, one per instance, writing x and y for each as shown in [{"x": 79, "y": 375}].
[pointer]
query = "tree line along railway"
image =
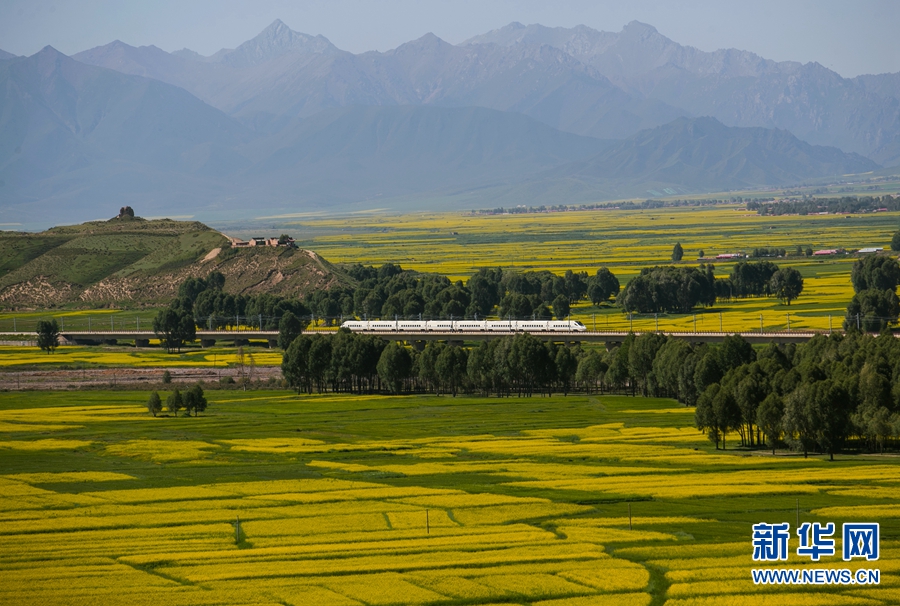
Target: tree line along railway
[{"x": 419, "y": 337}]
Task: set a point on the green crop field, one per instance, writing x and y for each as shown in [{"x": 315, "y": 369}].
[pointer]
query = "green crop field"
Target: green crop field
[{"x": 408, "y": 500}]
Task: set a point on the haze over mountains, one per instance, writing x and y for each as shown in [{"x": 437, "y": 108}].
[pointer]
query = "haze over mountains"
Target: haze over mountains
[{"x": 288, "y": 123}]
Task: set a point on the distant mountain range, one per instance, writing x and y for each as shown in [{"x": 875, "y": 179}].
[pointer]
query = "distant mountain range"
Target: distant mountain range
[
  {"x": 739, "y": 88},
  {"x": 287, "y": 122}
]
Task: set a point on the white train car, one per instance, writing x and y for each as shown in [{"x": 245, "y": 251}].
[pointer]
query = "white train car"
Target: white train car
[{"x": 464, "y": 326}]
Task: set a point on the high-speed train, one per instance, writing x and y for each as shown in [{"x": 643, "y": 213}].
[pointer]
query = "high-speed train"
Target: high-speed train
[{"x": 464, "y": 326}]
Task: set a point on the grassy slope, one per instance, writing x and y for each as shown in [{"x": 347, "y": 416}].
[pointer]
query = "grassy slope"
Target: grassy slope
[{"x": 140, "y": 262}]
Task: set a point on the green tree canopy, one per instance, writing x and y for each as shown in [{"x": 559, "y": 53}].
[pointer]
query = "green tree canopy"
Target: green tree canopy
[
  {"x": 786, "y": 284},
  {"x": 875, "y": 272},
  {"x": 289, "y": 328},
  {"x": 769, "y": 416},
  {"x": 603, "y": 286},
  {"x": 294, "y": 364},
  {"x": 669, "y": 289},
  {"x": 561, "y": 307},
  {"x": 175, "y": 325},
  {"x": 872, "y": 310},
  {"x": 154, "y": 404},
  {"x": 194, "y": 400},
  {"x": 174, "y": 402},
  {"x": 394, "y": 366},
  {"x": 48, "y": 335}
]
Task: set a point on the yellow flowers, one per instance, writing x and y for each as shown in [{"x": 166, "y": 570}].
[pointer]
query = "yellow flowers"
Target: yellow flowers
[
  {"x": 275, "y": 445},
  {"x": 533, "y": 585},
  {"x": 144, "y": 513},
  {"x": 457, "y": 244},
  {"x": 69, "y": 476},
  {"x": 388, "y": 588},
  {"x": 163, "y": 451},
  {"x": 47, "y": 444},
  {"x": 128, "y": 357},
  {"x": 764, "y": 599}
]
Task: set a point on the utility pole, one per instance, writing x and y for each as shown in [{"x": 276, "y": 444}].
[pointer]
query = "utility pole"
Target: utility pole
[
  {"x": 695, "y": 322},
  {"x": 829, "y": 323},
  {"x": 789, "y": 322},
  {"x": 720, "y": 322}
]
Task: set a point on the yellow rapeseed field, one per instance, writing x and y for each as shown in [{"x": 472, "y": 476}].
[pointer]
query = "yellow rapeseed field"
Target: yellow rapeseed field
[
  {"x": 457, "y": 244},
  {"x": 109, "y": 505}
]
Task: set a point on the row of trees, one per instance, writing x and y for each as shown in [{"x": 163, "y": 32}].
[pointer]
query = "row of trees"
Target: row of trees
[
  {"x": 628, "y": 205},
  {"x": 669, "y": 289},
  {"x": 749, "y": 279},
  {"x": 518, "y": 364},
  {"x": 213, "y": 308},
  {"x": 680, "y": 289},
  {"x": 192, "y": 401},
  {"x": 846, "y": 204},
  {"x": 521, "y": 364},
  {"x": 389, "y": 291},
  {"x": 810, "y": 397},
  {"x": 394, "y": 292},
  {"x": 202, "y": 302}
]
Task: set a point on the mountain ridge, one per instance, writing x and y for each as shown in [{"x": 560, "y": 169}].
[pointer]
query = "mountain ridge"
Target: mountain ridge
[
  {"x": 739, "y": 88},
  {"x": 420, "y": 135},
  {"x": 584, "y": 81},
  {"x": 703, "y": 154},
  {"x": 428, "y": 70}
]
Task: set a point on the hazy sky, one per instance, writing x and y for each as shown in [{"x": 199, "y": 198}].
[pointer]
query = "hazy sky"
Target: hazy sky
[{"x": 850, "y": 37}]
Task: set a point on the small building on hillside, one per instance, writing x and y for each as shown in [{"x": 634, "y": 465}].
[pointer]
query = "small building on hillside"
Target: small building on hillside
[
  {"x": 874, "y": 250},
  {"x": 271, "y": 242},
  {"x": 826, "y": 252}
]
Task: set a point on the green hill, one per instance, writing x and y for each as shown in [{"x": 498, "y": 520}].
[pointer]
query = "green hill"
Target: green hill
[{"x": 133, "y": 262}]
